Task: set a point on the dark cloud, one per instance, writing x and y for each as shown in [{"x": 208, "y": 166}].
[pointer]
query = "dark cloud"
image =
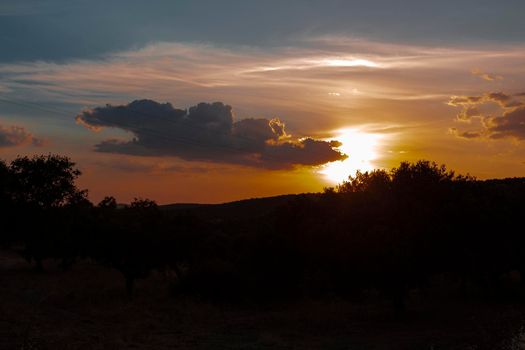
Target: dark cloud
[
  {"x": 470, "y": 104},
  {"x": 11, "y": 136},
  {"x": 498, "y": 97},
  {"x": 514, "y": 103},
  {"x": 206, "y": 132},
  {"x": 465, "y": 134},
  {"x": 470, "y": 134},
  {"x": 510, "y": 125},
  {"x": 59, "y": 30}
]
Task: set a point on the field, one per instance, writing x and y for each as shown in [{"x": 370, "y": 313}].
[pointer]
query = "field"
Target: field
[{"x": 86, "y": 308}]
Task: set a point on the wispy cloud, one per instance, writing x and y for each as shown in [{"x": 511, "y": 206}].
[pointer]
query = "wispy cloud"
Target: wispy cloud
[
  {"x": 163, "y": 70},
  {"x": 486, "y": 76},
  {"x": 318, "y": 85}
]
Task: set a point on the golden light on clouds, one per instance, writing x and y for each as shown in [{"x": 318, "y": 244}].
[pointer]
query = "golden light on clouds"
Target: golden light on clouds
[
  {"x": 362, "y": 149},
  {"x": 345, "y": 62},
  {"x": 387, "y": 103}
]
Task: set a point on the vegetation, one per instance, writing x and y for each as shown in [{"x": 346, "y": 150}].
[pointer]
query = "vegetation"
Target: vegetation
[{"x": 384, "y": 231}]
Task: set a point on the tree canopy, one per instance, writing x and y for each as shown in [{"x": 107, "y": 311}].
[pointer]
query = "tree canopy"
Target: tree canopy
[{"x": 45, "y": 181}]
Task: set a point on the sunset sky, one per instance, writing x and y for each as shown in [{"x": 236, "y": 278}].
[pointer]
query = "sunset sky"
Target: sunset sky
[{"x": 211, "y": 101}]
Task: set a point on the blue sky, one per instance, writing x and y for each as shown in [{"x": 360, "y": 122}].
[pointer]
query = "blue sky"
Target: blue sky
[{"x": 61, "y": 30}]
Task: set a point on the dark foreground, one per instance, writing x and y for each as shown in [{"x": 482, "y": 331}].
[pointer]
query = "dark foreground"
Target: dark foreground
[{"x": 86, "y": 308}]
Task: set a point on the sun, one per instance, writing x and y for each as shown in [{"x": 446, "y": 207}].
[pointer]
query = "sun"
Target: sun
[{"x": 361, "y": 148}]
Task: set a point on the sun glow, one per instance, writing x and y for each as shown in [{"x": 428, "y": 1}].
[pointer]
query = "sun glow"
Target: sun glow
[
  {"x": 361, "y": 148},
  {"x": 353, "y": 62}
]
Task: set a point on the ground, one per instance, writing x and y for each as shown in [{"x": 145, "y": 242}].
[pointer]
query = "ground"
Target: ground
[{"x": 87, "y": 308}]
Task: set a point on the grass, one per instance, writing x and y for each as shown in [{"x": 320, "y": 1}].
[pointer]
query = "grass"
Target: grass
[{"x": 86, "y": 308}]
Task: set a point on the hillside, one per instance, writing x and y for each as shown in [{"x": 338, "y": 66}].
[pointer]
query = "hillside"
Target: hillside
[{"x": 242, "y": 209}]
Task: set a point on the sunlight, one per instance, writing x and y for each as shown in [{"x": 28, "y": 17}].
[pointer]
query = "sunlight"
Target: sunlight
[
  {"x": 352, "y": 62},
  {"x": 361, "y": 148}
]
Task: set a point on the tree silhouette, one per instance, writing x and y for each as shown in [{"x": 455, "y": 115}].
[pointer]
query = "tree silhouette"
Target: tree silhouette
[
  {"x": 377, "y": 181},
  {"x": 129, "y": 243},
  {"x": 45, "y": 181},
  {"x": 108, "y": 203},
  {"x": 40, "y": 186},
  {"x": 384, "y": 230},
  {"x": 6, "y": 204}
]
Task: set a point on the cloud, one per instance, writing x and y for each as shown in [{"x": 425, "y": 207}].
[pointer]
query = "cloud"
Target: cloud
[
  {"x": 288, "y": 76},
  {"x": 465, "y": 134},
  {"x": 510, "y": 125},
  {"x": 11, "y": 136},
  {"x": 496, "y": 97},
  {"x": 468, "y": 113},
  {"x": 141, "y": 23},
  {"x": 470, "y": 105},
  {"x": 205, "y": 132},
  {"x": 486, "y": 76}
]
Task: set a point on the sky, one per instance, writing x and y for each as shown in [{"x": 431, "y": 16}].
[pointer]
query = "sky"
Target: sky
[{"x": 213, "y": 101}]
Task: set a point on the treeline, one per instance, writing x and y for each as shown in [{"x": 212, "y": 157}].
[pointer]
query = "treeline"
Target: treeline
[{"x": 388, "y": 231}]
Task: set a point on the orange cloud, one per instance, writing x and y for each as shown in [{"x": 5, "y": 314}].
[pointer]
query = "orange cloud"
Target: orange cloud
[
  {"x": 11, "y": 136},
  {"x": 486, "y": 76}
]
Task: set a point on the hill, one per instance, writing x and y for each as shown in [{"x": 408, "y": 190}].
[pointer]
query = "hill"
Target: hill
[{"x": 237, "y": 210}]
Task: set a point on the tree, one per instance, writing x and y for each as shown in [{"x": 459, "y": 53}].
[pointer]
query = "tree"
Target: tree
[
  {"x": 109, "y": 203},
  {"x": 375, "y": 181},
  {"x": 129, "y": 238},
  {"x": 41, "y": 187},
  {"x": 5, "y": 178},
  {"x": 45, "y": 181},
  {"x": 6, "y": 205}
]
